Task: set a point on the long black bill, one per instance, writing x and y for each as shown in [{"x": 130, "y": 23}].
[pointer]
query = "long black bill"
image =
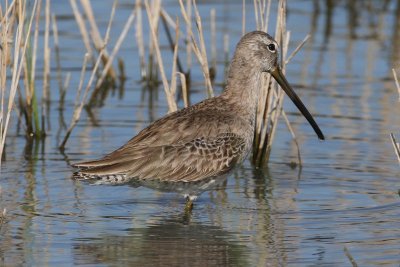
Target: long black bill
[{"x": 280, "y": 78}]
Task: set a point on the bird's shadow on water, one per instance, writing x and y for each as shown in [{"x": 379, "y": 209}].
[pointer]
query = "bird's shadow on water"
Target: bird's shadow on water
[
  {"x": 174, "y": 237},
  {"x": 167, "y": 242}
]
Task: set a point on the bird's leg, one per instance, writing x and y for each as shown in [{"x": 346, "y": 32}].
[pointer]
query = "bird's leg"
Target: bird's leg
[
  {"x": 189, "y": 205},
  {"x": 187, "y": 215}
]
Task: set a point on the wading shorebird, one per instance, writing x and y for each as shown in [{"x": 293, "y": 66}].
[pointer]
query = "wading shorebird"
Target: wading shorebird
[{"x": 187, "y": 150}]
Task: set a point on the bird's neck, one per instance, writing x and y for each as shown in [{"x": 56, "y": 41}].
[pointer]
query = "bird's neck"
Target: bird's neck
[{"x": 243, "y": 85}]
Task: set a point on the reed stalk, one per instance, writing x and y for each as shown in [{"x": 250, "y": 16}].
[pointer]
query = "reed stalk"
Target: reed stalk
[
  {"x": 172, "y": 106},
  {"x": 213, "y": 29},
  {"x": 350, "y": 257},
  {"x": 116, "y": 48},
  {"x": 29, "y": 104},
  {"x": 166, "y": 19},
  {"x": 46, "y": 53},
  {"x": 3, "y": 217},
  {"x": 226, "y": 53},
  {"x": 243, "y": 17},
  {"x": 396, "y": 146},
  {"x": 58, "y": 62},
  {"x": 82, "y": 28},
  {"x": 182, "y": 76},
  {"x": 298, "y": 48},
  {"x": 188, "y": 12},
  {"x": 139, "y": 38},
  {"x": 199, "y": 48},
  {"x": 105, "y": 75},
  {"x": 269, "y": 107},
  {"x": 97, "y": 40},
  {"x": 16, "y": 55},
  {"x": 175, "y": 60},
  {"x": 46, "y": 72},
  {"x": 396, "y": 82},
  {"x": 80, "y": 102},
  {"x": 152, "y": 69}
]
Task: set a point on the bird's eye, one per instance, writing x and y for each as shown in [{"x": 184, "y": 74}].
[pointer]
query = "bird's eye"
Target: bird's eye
[{"x": 271, "y": 47}]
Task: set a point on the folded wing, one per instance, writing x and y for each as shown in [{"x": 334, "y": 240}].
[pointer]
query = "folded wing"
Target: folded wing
[{"x": 186, "y": 162}]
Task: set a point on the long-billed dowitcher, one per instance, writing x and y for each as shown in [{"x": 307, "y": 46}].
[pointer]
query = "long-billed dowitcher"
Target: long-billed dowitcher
[{"x": 199, "y": 143}]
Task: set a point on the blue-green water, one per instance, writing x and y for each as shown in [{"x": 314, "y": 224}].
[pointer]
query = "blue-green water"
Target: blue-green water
[{"x": 345, "y": 194}]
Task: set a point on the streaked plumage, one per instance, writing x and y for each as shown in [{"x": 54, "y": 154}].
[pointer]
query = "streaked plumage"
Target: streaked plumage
[{"x": 205, "y": 140}]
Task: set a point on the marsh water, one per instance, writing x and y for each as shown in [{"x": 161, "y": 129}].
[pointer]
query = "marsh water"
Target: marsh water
[{"x": 342, "y": 203}]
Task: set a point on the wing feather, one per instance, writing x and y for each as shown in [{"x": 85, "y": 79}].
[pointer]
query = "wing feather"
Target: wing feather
[{"x": 188, "y": 162}]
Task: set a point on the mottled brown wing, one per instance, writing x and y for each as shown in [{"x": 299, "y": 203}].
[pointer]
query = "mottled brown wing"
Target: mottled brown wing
[
  {"x": 192, "y": 161},
  {"x": 201, "y": 120}
]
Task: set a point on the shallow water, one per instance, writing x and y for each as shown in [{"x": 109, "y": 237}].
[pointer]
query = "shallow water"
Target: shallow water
[{"x": 346, "y": 195}]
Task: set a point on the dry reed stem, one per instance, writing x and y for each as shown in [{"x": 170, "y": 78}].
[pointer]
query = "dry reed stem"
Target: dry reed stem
[
  {"x": 203, "y": 51},
  {"x": 268, "y": 11},
  {"x": 46, "y": 71},
  {"x": 396, "y": 146},
  {"x": 16, "y": 72},
  {"x": 170, "y": 97},
  {"x": 175, "y": 59},
  {"x": 200, "y": 53},
  {"x": 264, "y": 112},
  {"x": 184, "y": 89},
  {"x": 82, "y": 28},
  {"x": 46, "y": 53},
  {"x": 139, "y": 38},
  {"x": 264, "y": 109},
  {"x": 397, "y": 82},
  {"x": 82, "y": 78},
  {"x": 5, "y": 16},
  {"x": 261, "y": 14},
  {"x": 3, "y": 217},
  {"x": 188, "y": 23},
  {"x": 270, "y": 103},
  {"x": 117, "y": 46},
  {"x": 297, "y": 49},
  {"x": 57, "y": 54},
  {"x": 278, "y": 100},
  {"x": 213, "y": 29},
  {"x": 258, "y": 27},
  {"x": 155, "y": 8},
  {"x": 30, "y": 105},
  {"x": 226, "y": 51},
  {"x": 348, "y": 255},
  {"x": 3, "y": 68},
  {"x": 96, "y": 37},
  {"x": 78, "y": 107},
  {"x": 30, "y": 83},
  {"x": 107, "y": 36},
  {"x": 243, "y": 17},
  {"x": 66, "y": 82},
  {"x": 168, "y": 19}
]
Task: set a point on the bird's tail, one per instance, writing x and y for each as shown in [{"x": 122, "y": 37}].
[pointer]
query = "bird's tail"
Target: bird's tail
[{"x": 110, "y": 179}]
